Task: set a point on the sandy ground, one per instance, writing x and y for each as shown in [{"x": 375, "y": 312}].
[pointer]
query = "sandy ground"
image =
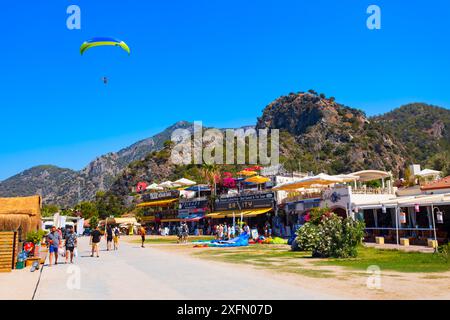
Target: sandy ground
[{"x": 342, "y": 282}]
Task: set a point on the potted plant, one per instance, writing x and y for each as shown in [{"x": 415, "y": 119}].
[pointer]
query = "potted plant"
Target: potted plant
[{"x": 35, "y": 238}]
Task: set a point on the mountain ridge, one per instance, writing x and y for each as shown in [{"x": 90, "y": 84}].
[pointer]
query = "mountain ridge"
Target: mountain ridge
[{"x": 317, "y": 134}]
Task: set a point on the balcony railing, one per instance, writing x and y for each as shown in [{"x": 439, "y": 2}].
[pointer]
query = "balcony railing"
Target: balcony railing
[{"x": 371, "y": 191}]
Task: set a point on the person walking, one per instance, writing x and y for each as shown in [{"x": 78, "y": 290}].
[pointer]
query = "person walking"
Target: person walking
[
  {"x": 220, "y": 232},
  {"x": 96, "y": 235},
  {"x": 185, "y": 232},
  {"x": 180, "y": 232},
  {"x": 225, "y": 231},
  {"x": 142, "y": 233},
  {"x": 109, "y": 237},
  {"x": 53, "y": 239},
  {"x": 70, "y": 244},
  {"x": 116, "y": 238}
]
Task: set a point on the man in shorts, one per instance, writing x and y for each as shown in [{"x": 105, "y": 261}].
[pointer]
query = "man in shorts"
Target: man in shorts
[
  {"x": 96, "y": 235},
  {"x": 142, "y": 233},
  {"x": 53, "y": 239},
  {"x": 71, "y": 243},
  {"x": 109, "y": 237}
]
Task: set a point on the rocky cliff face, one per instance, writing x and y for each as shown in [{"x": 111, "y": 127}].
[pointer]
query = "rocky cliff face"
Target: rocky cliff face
[
  {"x": 317, "y": 134},
  {"x": 331, "y": 137}
]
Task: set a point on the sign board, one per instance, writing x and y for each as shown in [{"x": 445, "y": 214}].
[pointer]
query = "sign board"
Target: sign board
[
  {"x": 336, "y": 197},
  {"x": 160, "y": 195},
  {"x": 252, "y": 201},
  {"x": 193, "y": 204}
]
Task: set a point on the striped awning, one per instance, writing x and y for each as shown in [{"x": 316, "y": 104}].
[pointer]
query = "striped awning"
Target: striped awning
[{"x": 157, "y": 203}]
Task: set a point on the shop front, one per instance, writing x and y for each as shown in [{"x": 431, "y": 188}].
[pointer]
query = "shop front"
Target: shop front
[
  {"x": 160, "y": 211},
  {"x": 255, "y": 210},
  {"x": 193, "y": 212}
]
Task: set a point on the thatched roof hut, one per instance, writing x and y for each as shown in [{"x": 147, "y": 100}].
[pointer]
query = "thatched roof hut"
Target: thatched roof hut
[{"x": 22, "y": 213}]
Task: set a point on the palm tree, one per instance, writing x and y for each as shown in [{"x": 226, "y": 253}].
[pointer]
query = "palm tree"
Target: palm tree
[{"x": 209, "y": 172}]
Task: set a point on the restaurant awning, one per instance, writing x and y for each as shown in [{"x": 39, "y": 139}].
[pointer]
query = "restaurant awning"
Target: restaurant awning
[
  {"x": 171, "y": 220},
  {"x": 370, "y": 175},
  {"x": 157, "y": 203},
  {"x": 321, "y": 179},
  {"x": 238, "y": 213}
]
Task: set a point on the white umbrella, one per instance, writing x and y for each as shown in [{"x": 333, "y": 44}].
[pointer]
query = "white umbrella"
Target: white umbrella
[
  {"x": 185, "y": 182},
  {"x": 428, "y": 173},
  {"x": 167, "y": 184},
  {"x": 154, "y": 186}
]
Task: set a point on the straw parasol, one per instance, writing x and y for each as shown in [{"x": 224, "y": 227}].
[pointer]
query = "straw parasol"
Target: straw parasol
[{"x": 20, "y": 213}]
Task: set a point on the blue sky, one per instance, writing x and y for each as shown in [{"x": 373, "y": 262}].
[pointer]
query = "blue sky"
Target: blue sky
[{"x": 220, "y": 62}]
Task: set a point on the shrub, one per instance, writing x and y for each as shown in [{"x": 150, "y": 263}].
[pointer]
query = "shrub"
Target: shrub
[
  {"x": 331, "y": 237},
  {"x": 444, "y": 252},
  {"x": 307, "y": 237},
  {"x": 35, "y": 236}
]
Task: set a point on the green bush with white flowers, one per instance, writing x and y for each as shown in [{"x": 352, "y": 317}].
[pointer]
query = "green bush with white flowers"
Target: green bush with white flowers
[{"x": 328, "y": 235}]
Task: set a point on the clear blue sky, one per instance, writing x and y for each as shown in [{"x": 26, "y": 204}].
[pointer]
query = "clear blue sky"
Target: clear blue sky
[{"x": 216, "y": 61}]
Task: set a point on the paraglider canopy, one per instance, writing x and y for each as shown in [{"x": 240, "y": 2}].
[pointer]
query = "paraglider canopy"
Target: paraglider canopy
[{"x": 103, "y": 41}]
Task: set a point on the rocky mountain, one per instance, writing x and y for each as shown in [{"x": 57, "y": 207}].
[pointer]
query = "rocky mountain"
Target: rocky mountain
[
  {"x": 67, "y": 187},
  {"x": 316, "y": 134},
  {"x": 329, "y": 137}
]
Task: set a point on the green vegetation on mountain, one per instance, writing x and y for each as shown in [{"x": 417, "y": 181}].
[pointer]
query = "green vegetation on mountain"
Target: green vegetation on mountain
[{"x": 316, "y": 134}]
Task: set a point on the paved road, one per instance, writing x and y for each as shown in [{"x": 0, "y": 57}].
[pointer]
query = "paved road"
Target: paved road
[{"x": 136, "y": 273}]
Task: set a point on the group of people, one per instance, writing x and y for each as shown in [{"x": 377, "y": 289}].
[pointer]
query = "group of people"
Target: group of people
[
  {"x": 112, "y": 237},
  {"x": 58, "y": 239},
  {"x": 66, "y": 239},
  {"x": 183, "y": 232},
  {"x": 225, "y": 231}
]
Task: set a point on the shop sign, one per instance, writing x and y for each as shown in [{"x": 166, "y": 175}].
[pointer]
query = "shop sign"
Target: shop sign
[
  {"x": 253, "y": 201},
  {"x": 336, "y": 197},
  {"x": 193, "y": 204},
  {"x": 160, "y": 195}
]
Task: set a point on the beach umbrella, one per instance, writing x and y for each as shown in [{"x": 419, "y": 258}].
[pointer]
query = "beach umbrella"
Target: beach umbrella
[
  {"x": 154, "y": 186},
  {"x": 247, "y": 173},
  {"x": 185, "y": 182},
  {"x": 166, "y": 184},
  {"x": 257, "y": 179}
]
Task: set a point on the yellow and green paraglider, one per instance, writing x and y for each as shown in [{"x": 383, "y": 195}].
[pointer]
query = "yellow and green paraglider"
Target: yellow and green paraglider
[{"x": 103, "y": 41}]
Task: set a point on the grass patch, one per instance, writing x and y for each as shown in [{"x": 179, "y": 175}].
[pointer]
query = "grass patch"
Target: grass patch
[
  {"x": 280, "y": 258},
  {"x": 394, "y": 260},
  {"x": 276, "y": 258}
]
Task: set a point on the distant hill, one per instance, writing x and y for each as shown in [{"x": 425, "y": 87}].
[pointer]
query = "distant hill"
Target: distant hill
[
  {"x": 67, "y": 187},
  {"x": 316, "y": 134},
  {"x": 424, "y": 130}
]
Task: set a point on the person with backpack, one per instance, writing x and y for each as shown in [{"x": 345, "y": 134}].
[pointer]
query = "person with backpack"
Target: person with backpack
[
  {"x": 116, "y": 238},
  {"x": 109, "y": 237}
]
